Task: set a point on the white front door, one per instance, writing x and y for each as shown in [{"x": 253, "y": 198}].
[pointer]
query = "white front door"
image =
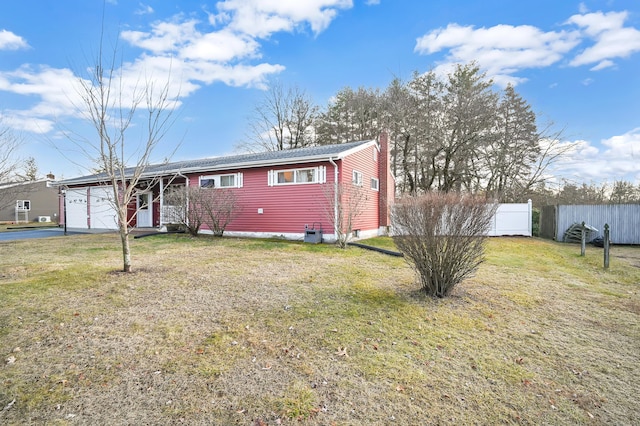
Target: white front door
[{"x": 145, "y": 211}]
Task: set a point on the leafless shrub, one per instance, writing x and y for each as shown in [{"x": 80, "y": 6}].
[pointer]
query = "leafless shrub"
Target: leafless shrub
[
  {"x": 176, "y": 203},
  {"x": 194, "y": 206},
  {"x": 442, "y": 236},
  {"x": 345, "y": 203},
  {"x": 218, "y": 206}
]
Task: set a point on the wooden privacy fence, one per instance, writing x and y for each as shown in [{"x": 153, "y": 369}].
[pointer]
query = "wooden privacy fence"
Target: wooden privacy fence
[{"x": 623, "y": 219}]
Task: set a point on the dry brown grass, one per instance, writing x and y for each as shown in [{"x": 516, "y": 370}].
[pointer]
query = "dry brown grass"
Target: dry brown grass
[{"x": 210, "y": 331}]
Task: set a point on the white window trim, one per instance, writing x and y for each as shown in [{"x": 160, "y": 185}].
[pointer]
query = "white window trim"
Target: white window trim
[
  {"x": 320, "y": 176},
  {"x": 23, "y": 205},
  {"x": 238, "y": 180},
  {"x": 377, "y": 182},
  {"x": 356, "y": 178}
]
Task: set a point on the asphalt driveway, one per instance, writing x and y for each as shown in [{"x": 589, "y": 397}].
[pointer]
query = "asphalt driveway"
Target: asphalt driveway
[{"x": 24, "y": 234}]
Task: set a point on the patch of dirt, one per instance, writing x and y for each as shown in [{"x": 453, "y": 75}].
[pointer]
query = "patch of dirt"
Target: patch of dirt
[{"x": 627, "y": 254}]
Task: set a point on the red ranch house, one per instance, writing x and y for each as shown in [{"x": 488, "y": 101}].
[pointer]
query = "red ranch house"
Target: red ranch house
[{"x": 280, "y": 193}]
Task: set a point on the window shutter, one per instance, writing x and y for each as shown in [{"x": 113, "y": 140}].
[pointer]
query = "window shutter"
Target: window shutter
[
  {"x": 239, "y": 179},
  {"x": 322, "y": 174},
  {"x": 270, "y": 177}
]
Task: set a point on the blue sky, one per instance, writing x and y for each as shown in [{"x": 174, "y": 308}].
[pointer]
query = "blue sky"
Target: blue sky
[{"x": 577, "y": 63}]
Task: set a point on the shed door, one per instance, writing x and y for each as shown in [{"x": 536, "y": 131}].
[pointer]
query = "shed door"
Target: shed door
[{"x": 76, "y": 208}]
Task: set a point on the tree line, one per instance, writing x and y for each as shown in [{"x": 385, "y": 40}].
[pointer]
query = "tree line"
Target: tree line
[
  {"x": 451, "y": 133},
  {"x": 617, "y": 192}
]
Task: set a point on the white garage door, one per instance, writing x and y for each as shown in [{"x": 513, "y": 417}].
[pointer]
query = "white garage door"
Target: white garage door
[
  {"x": 95, "y": 211},
  {"x": 76, "y": 208},
  {"x": 103, "y": 214}
]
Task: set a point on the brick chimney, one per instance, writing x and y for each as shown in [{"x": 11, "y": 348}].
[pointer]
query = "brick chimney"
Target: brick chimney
[{"x": 387, "y": 181}]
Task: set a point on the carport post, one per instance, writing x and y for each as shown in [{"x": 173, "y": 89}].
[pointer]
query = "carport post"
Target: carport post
[{"x": 64, "y": 208}]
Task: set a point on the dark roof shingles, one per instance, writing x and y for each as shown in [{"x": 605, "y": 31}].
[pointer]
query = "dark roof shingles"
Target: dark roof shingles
[{"x": 231, "y": 161}]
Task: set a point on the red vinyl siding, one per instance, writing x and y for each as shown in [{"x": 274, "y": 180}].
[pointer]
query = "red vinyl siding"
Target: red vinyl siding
[
  {"x": 364, "y": 162},
  {"x": 285, "y": 208}
]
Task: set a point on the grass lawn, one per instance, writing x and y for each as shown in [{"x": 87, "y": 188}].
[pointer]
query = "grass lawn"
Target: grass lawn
[{"x": 256, "y": 332}]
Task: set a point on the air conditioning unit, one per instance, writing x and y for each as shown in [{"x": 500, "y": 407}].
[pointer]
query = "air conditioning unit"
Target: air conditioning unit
[{"x": 44, "y": 218}]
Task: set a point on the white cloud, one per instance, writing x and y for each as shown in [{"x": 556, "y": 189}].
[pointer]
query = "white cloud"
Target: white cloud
[
  {"x": 261, "y": 18},
  {"x": 372, "y": 2},
  {"x": 583, "y": 8},
  {"x": 221, "y": 46},
  {"x": 25, "y": 123},
  {"x": 183, "y": 52},
  {"x": 612, "y": 38},
  {"x": 226, "y": 48},
  {"x": 11, "y": 41},
  {"x": 619, "y": 161},
  {"x": 626, "y": 145},
  {"x": 164, "y": 36},
  {"x": 56, "y": 88},
  {"x": 144, "y": 9},
  {"x": 501, "y": 50},
  {"x": 504, "y": 50},
  {"x": 602, "y": 65}
]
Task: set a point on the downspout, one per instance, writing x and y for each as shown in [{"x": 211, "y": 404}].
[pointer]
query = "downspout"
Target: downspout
[{"x": 335, "y": 197}]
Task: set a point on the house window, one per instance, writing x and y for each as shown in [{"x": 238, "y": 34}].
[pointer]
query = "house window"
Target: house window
[
  {"x": 286, "y": 176},
  {"x": 233, "y": 180},
  {"x": 23, "y": 205},
  {"x": 228, "y": 181},
  {"x": 297, "y": 176},
  {"x": 357, "y": 178},
  {"x": 207, "y": 182},
  {"x": 143, "y": 201},
  {"x": 375, "y": 184}
]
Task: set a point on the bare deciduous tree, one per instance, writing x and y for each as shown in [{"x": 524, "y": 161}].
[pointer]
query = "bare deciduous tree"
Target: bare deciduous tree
[
  {"x": 282, "y": 120},
  {"x": 9, "y": 144},
  {"x": 112, "y": 108},
  {"x": 624, "y": 192},
  {"x": 442, "y": 236},
  {"x": 29, "y": 170},
  {"x": 345, "y": 202}
]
